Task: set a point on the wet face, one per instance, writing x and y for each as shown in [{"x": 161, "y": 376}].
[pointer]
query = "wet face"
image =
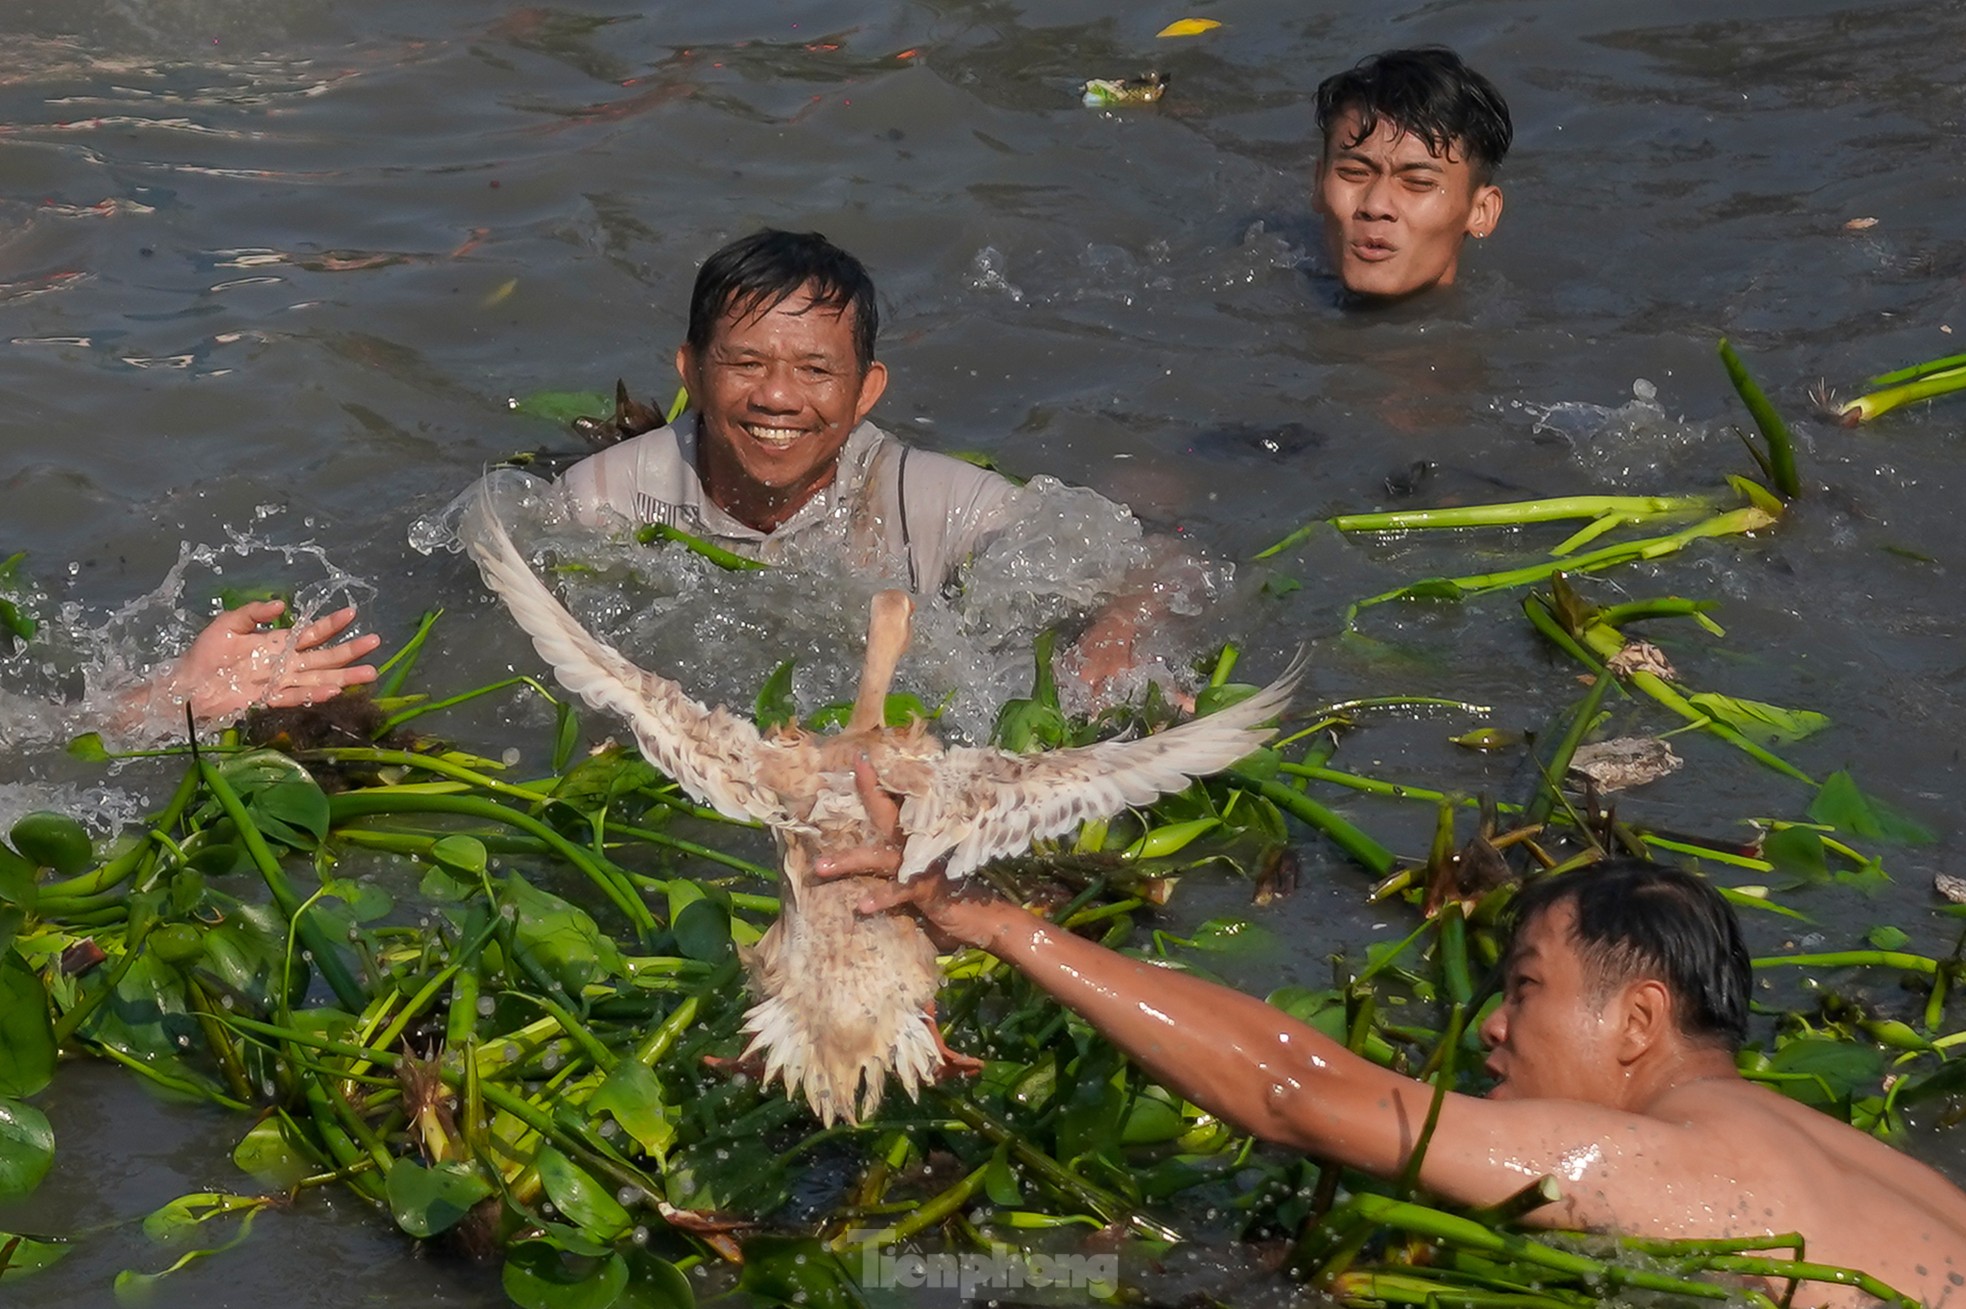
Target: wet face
[
  {"x": 1395, "y": 214},
  {"x": 1551, "y": 1038},
  {"x": 779, "y": 392}
]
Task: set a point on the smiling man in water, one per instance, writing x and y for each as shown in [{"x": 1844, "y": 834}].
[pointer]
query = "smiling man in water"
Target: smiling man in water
[
  {"x": 1625, "y": 997},
  {"x": 776, "y": 457},
  {"x": 1410, "y": 143},
  {"x": 779, "y": 362}
]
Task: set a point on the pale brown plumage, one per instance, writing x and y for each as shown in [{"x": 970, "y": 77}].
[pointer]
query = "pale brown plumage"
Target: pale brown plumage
[{"x": 843, "y": 999}]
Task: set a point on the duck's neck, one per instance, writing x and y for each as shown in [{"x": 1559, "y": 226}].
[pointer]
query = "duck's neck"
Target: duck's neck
[{"x": 887, "y": 639}]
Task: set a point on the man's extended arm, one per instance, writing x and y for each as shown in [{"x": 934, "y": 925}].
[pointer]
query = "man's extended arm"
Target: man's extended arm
[
  {"x": 1284, "y": 1081},
  {"x": 1232, "y": 1054}
]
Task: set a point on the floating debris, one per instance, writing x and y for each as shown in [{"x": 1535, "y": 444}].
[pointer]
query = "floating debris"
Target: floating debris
[
  {"x": 1112, "y": 93},
  {"x": 1642, "y": 657},
  {"x": 631, "y": 417},
  {"x": 1624, "y": 762}
]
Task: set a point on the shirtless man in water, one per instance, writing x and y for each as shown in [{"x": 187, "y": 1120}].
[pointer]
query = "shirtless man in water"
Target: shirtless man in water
[{"x": 1625, "y": 997}]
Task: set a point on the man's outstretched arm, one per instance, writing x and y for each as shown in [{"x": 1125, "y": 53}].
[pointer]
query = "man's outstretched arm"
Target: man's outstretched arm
[{"x": 1254, "y": 1066}]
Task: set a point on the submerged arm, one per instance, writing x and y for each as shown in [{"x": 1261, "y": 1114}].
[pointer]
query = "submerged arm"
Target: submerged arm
[{"x": 1144, "y": 599}]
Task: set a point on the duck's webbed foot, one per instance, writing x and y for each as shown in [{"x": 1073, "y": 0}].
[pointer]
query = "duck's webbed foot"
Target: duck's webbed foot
[
  {"x": 749, "y": 1065},
  {"x": 954, "y": 1063},
  {"x": 717, "y": 1230}
]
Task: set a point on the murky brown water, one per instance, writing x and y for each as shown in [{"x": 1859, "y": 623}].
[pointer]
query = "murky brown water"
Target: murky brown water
[{"x": 277, "y": 266}]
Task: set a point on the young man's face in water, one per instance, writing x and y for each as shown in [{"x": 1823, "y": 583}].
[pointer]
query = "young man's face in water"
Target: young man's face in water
[{"x": 1395, "y": 213}]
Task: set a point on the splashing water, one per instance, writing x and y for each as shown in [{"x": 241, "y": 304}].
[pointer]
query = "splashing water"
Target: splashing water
[
  {"x": 1634, "y": 446},
  {"x": 104, "y": 810},
  {"x": 136, "y": 642},
  {"x": 987, "y": 274},
  {"x": 721, "y": 633}
]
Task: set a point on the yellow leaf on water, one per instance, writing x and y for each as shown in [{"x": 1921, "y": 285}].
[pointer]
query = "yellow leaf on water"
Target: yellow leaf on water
[
  {"x": 1188, "y": 27},
  {"x": 504, "y": 289}
]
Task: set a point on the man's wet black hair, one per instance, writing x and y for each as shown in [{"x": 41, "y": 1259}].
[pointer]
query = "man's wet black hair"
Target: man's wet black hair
[
  {"x": 755, "y": 274},
  {"x": 1428, "y": 92},
  {"x": 1636, "y": 920}
]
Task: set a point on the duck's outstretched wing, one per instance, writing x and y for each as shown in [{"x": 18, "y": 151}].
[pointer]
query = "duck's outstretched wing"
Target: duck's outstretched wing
[
  {"x": 712, "y": 753},
  {"x": 979, "y": 804}
]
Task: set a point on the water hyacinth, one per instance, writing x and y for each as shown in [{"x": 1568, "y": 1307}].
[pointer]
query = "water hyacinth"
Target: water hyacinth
[
  {"x": 511, "y": 1035},
  {"x": 1888, "y": 391}
]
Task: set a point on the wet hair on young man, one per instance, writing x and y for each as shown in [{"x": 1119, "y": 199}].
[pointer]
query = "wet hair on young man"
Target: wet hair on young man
[
  {"x": 757, "y": 273},
  {"x": 1427, "y": 92},
  {"x": 1636, "y": 919}
]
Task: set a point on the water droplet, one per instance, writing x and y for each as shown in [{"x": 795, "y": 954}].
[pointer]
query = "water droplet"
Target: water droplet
[{"x": 485, "y": 1006}]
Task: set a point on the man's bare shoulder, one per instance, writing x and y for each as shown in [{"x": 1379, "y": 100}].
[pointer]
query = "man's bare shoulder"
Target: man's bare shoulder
[{"x": 1869, "y": 1206}]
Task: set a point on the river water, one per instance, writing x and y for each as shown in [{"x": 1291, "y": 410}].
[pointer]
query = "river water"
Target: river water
[{"x": 276, "y": 268}]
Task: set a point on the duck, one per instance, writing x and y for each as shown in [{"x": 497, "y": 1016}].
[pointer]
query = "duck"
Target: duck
[{"x": 844, "y": 1001}]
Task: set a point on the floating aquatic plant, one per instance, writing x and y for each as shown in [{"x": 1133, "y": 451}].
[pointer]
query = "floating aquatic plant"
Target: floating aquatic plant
[
  {"x": 1776, "y": 454},
  {"x": 503, "y": 1035},
  {"x": 1890, "y": 391},
  {"x": 524, "y": 1071}
]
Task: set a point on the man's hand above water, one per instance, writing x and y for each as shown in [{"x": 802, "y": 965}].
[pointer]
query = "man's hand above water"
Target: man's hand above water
[
  {"x": 233, "y": 664},
  {"x": 953, "y": 918}
]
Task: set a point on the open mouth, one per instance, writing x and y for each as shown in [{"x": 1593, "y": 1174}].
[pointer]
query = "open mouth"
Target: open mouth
[
  {"x": 1373, "y": 251},
  {"x": 778, "y": 438}
]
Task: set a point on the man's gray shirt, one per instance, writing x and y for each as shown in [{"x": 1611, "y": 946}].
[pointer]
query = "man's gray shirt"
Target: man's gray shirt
[{"x": 905, "y": 515}]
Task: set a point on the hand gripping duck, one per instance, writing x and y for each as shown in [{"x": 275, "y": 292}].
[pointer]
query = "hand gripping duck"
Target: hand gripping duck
[{"x": 845, "y": 999}]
